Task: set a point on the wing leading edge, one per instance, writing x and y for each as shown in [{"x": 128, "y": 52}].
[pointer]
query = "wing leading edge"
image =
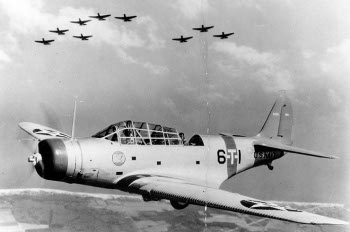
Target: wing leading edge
[{"x": 167, "y": 188}]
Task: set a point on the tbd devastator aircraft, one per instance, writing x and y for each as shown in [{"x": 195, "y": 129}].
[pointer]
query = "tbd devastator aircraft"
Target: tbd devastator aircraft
[
  {"x": 81, "y": 22},
  {"x": 203, "y": 28},
  {"x": 83, "y": 37},
  {"x": 100, "y": 17},
  {"x": 59, "y": 32},
  {"x": 223, "y": 35},
  {"x": 182, "y": 39},
  {"x": 153, "y": 161},
  {"x": 126, "y": 18},
  {"x": 45, "y": 42}
]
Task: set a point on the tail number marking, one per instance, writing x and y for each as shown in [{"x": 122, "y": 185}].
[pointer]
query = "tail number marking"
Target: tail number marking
[
  {"x": 231, "y": 153},
  {"x": 221, "y": 158}
]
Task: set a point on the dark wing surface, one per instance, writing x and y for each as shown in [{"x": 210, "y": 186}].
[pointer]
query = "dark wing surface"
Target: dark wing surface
[
  {"x": 181, "y": 191},
  {"x": 187, "y": 38}
]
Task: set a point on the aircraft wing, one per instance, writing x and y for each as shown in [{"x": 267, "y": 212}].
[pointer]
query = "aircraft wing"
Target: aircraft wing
[
  {"x": 217, "y": 35},
  {"x": 177, "y": 39},
  {"x": 174, "y": 189},
  {"x": 130, "y": 17},
  {"x": 291, "y": 149},
  {"x": 42, "y": 132},
  {"x": 198, "y": 29}
]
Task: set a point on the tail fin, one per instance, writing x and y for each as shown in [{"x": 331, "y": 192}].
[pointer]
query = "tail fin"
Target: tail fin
[{"x": 279, "y": 123}]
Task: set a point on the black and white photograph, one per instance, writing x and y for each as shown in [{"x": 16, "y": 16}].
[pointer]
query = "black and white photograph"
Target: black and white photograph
[{"x": 175, "y": 116}]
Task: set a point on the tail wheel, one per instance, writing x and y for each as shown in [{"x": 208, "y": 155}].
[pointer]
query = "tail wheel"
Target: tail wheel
[{"x": 178, "y": 204}]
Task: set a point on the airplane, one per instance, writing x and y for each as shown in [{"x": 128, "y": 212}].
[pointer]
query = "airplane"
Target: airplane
[
  {"x": 83, "y": 37},
  {"x": 60, "y": 32},
  {"x": 153, "y": 161},
  {"x": 126, "y": 18},
  {"x": 81, "y": 22},
  {"x": 100, "y": 17},
  {"x": 203, "y": 28},
  {"x": 223, "y": 35},
  {"x": 45, "y": 42},
  {"x": 182, "y": 39}
]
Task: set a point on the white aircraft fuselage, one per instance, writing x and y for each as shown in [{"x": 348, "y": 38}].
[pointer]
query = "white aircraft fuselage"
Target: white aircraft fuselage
[{"x": 100, "y": 162}]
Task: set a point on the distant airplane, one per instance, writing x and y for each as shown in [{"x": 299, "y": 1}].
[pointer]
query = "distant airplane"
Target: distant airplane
[
  {"x": 183, "y": 39},
  {"x": 60, "y": 32},
  {"x": 83, "y": 37},
  {"x": 100, "y": 17},
  {"x": 81, "y": 22},
  {"x": 126, "y": 18},
  {"x": 203, "y": 28},
  {"x": 45, "y": 42},
  {"x": 155, "y": 161},
  {"x": 223, "y": 35}
]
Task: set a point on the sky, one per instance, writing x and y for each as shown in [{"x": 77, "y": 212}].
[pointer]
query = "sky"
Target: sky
[{"x": 135, "y": 71}]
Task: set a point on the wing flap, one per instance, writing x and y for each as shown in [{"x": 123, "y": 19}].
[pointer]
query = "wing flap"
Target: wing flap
[
  {"x": 166, "y": 188},
  {"x": 42, "y": 132},
  {"x": 292, "y": 149}
]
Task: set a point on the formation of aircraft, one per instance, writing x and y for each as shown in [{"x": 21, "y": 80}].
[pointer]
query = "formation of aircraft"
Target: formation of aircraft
[
  {"x": 182, "y": 39},
  {"x": 45, "y": 42},
  {"x": 81, "y": 22},
  {"x": 59, "y": 32},
  {"x": 203, "y": 28},
  {"x": 100, "y": 17},
  {"x": 83, "y": 37},
  {"x": 223, "y": 35},
  {"x": 126, "y": 18},
  {"x": 155, "y": 162}
]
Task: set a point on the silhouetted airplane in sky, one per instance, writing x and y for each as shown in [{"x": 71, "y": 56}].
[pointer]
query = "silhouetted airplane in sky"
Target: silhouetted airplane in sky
[
  {"x": 223, "y": 35},
  {"x": 45, "y": 42},
  {"x": 59, "y": 32},
  {"x": 203, "y": 28},
  {"x": 100, "y": 17},
  {"x": 126, "y": 18},
  {"x": 83, "y": 37},
  {"x": 81, "y": 22},
  {"x": 182, "y": 39}
]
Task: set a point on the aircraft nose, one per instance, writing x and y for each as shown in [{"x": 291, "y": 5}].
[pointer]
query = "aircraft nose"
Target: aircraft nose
[{"x": 54, "y": 159}]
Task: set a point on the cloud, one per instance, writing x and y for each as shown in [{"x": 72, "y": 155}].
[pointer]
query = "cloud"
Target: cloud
[
  {"x": 4, "y": 57},
  {"x": 191, "y": 8},
  {"x": 336, "y": 62},
  {"x": 155, "y": 42},
  {"x": 262, "y": 67},
  {"x": 334, "y": 98}
]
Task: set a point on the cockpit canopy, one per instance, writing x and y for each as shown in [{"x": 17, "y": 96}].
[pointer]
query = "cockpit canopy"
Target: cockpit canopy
[{"x": 142, "y": 133}]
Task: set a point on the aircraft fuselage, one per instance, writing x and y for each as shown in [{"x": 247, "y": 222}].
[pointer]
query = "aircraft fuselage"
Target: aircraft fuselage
[{"x": 100, "y": 162}]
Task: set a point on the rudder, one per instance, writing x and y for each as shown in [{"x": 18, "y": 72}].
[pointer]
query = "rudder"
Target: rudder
[{"x": 279, "y": 123}]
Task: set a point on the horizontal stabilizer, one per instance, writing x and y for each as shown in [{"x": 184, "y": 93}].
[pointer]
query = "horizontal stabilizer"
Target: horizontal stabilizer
[
  {"x": 291, "y": 149},
  {"x": 42, "y": 132}
]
